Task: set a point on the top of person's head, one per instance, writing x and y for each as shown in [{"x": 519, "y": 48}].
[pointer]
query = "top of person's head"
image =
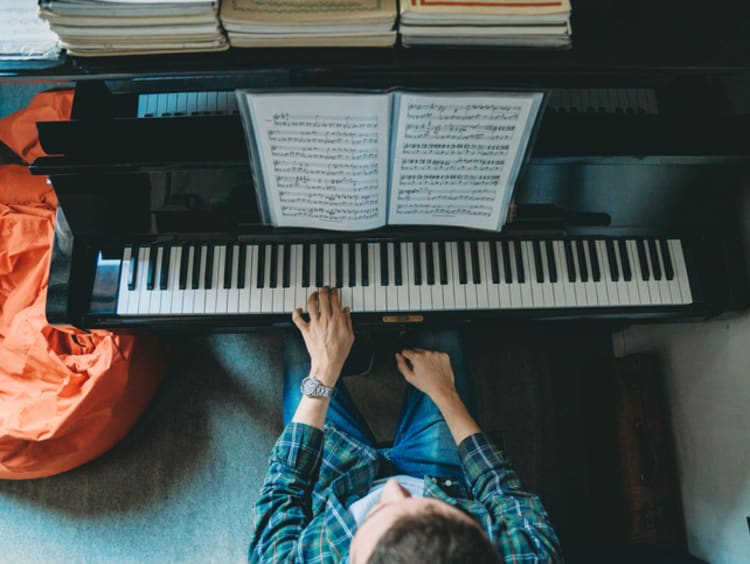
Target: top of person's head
[{"x": 430, "y": 530}]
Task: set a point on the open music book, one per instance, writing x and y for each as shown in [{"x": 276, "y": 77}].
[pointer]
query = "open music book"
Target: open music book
[{"x": 353, "y": 161}]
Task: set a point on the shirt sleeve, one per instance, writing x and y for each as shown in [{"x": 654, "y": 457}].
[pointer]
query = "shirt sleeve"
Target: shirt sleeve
[
  {"x": 284, "y": 506},
  {"x": 518, "y": 523}
]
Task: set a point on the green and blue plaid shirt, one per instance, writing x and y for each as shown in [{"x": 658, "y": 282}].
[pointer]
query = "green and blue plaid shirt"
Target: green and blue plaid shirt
[{"x": 313, "y": 477}]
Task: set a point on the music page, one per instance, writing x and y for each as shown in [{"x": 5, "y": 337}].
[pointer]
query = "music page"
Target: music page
[
  {"x": 324, "y": 158},
  {"x": 457, "y": 156}
]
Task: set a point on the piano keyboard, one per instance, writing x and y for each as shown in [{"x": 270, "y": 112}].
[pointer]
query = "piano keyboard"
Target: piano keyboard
[
  {"x": 216, "y": 279},
  {"x": 185, "y": 104}
]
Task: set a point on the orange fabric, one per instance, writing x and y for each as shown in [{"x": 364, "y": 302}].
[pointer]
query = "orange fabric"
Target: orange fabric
[{"x": 66, "y": 396}]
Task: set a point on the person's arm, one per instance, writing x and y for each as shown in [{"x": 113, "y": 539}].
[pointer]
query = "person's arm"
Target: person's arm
[
  {"x": 283, "y": 509},
  {"x": 520, "y": 525}
]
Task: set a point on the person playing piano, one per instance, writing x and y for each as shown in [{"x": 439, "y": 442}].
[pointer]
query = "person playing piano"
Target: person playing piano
[{"x": 441, "y": 493}]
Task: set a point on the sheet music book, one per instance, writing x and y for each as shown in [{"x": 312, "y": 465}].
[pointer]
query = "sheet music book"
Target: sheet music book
[{"x": 353, "y": 161}]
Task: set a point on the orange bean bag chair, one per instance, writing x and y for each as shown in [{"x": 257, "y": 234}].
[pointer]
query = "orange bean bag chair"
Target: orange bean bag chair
[{"x": 66, "y": 396}]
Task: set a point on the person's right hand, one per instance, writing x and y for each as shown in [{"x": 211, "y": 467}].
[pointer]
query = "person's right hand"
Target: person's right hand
[{"x": 428, "y": 371}]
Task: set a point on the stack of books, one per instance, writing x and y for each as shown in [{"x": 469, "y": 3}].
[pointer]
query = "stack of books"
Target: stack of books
[
  {"x": 134, "y": 27},
  {"x": 526, "y": 23},
  {"x": 309, "y": 23}
]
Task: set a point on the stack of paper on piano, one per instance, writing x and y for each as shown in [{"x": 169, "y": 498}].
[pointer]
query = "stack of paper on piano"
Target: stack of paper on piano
[
  {"x": 526, "y": 23},
  {"x": 134, "y": 27},
  {"x": 353, "y": 161},
  {"x": 309, "y": 23}
]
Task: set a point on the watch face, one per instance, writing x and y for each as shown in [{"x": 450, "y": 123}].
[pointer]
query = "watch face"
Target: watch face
[{"x": 309, "y": 386}]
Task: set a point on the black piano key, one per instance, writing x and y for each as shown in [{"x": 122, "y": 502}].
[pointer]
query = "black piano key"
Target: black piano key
[
  {"x": 306, "y": 265},
  {"x": 383, "y": 264},
  {"x": 273, "y": 278},
  {"x": 319, "y": 265},
  {"x": 667, "y": 259},
  {"x": 352, "y": 265},
  {"x": 164, "y": 271},
  {"x": 654, "y": 255},
  {"x": 461, "y": 263},
  {"x": 520, "y": 271},
  {"x": 507, "y": 270},
  {"x": 209, "y": 274},
  {"x": 339, "y": 252},
  {"x": 583, "y": 268},
  {"x": 398, "y": 274},
  {"x": 442, "y": 263},
  {"x": 133, "y": 268},
  {"x": 569, "y": 261},
  {"x": 494, "y": 265},
  {"x": 184, "y": 262},
  {"x": 538, "y": 266},
  {"x": 614, "y": 270},
  {"x": 196, "y": 277},
  {"x": 430, "y": 263},
  {"x": 476, "y": 274},
  {"x": 627, "y": 270},
  {"x": 596, "y": 271},
  {"x": 286, "y": 267},
  {"x": 417, "y": 263},
  {"x": 551, "y": 262},
  {"x": 228, "y": 258},
  {"x": 643, "y": 259},
  {"x": 365, "y": 260},
  {"x": 241, "y": 266},
  {"x": 150, "y": 274},
  {"x": 260, "y": 279}
]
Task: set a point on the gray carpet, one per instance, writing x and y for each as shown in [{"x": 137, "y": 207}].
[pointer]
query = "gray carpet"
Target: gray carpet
[{"x": 181, "y": 486}]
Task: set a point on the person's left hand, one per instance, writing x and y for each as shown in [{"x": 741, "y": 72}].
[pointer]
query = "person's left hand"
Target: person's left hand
[{"x": 328, "y": 335}]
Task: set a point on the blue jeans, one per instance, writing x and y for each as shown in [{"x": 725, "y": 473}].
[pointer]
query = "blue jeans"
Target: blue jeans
[{"x": 422, "y": 444}]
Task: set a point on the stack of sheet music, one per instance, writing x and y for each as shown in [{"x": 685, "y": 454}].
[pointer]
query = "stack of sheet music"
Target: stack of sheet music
[
  {"x": 527, "y": 23},
  {"x": 133, "y": 27},
  {"x": 309, "y": 23}
]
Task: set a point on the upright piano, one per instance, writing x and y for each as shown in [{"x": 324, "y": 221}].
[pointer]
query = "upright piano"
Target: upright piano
[{"x": 627, "y": 209}]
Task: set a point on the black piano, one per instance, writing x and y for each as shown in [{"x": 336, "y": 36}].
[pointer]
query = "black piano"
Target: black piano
[{"x": 626, "y": 210}]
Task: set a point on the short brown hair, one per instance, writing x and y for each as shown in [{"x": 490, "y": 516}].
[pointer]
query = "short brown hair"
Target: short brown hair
[{"x": 435, "y": 538}]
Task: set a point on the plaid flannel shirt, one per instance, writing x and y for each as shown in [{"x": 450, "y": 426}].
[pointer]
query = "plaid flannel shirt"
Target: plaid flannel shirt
[{"x": 313, "y": 477}]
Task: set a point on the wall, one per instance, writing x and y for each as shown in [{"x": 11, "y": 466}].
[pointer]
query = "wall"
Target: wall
[{"x": 707, "y": 381}]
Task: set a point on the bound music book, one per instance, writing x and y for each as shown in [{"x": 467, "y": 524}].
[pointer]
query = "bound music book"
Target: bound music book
[{"x": 355, "y": 161}]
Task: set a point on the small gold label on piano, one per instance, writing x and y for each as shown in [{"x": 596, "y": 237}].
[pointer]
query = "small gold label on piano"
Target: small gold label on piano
[{"x": 403, "y": 318}]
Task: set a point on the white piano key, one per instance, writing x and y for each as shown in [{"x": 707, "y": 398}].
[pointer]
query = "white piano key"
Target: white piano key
[
  {"x": 211, "y": 102},
  {"x": 412, "y": 290},
  {"x": 403, "y": 290},
  {"x": 425, "y": 290},
  {"x": 243, "y": 301},
  {"x": 328, "y": 259},
  {"x": 438, "y": 290},
  {"x": 233, "y": 295},
  {"x": 569, "y": 294},
  {"x": 381, "y": 303},
  {"x": 290, "y": 293},
  {"x": 155, "y": 306},
  {"x": 578, "y": 286},
  {"x": 609, "y": 294},
  {"x": 252, "y": 280},
  {"x": 493, "y": 288},
  {"x": 122, "y": 288},
  {"x": 527, "y": 298},
  {"x": 266, "y": 293},
  {"x": 504, "y": 287},
  {"x": 358, "y": 291},
  {"x": 537, "y": 296},
  {"x": 220, "y": 293},
  {"x": 391, "y": 291},
  {"x": 161, "y": 105},
  {"x": 199, "y": 299},
  {"x": 369, "y": 292},
  {"x": 623, "y": 293},
  {"x": 277, "y": 293},
  {"x": 653, "y": 284},
  {"x": 142, "y": 303},
  {"x": 142, "y": 105},
  {"x": 172, "y": 298},
  {"x": 188, "y": 298},
  {"x": 680, "y": 270},
  {"x": 201, "y": 103},
  {"x": 456, "y": 289},
  {"x": 634, "y": 297},
  {"x": 313, "y": 272},
  {"x": 591, "y": 295},
  {"x": 485, "y": 276},
  {"x": 644, "y": 296},
  {"x": 548, "y": 293},
  {"x": 192, "y": 103},
  {"x": 347, "y": 292},
  {"x": 664, "y": 291},
  {"x": 181, "y": 104}
]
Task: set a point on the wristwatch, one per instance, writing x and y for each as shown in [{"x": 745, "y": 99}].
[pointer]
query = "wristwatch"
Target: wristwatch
[{"x": 314, "y": 388}]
